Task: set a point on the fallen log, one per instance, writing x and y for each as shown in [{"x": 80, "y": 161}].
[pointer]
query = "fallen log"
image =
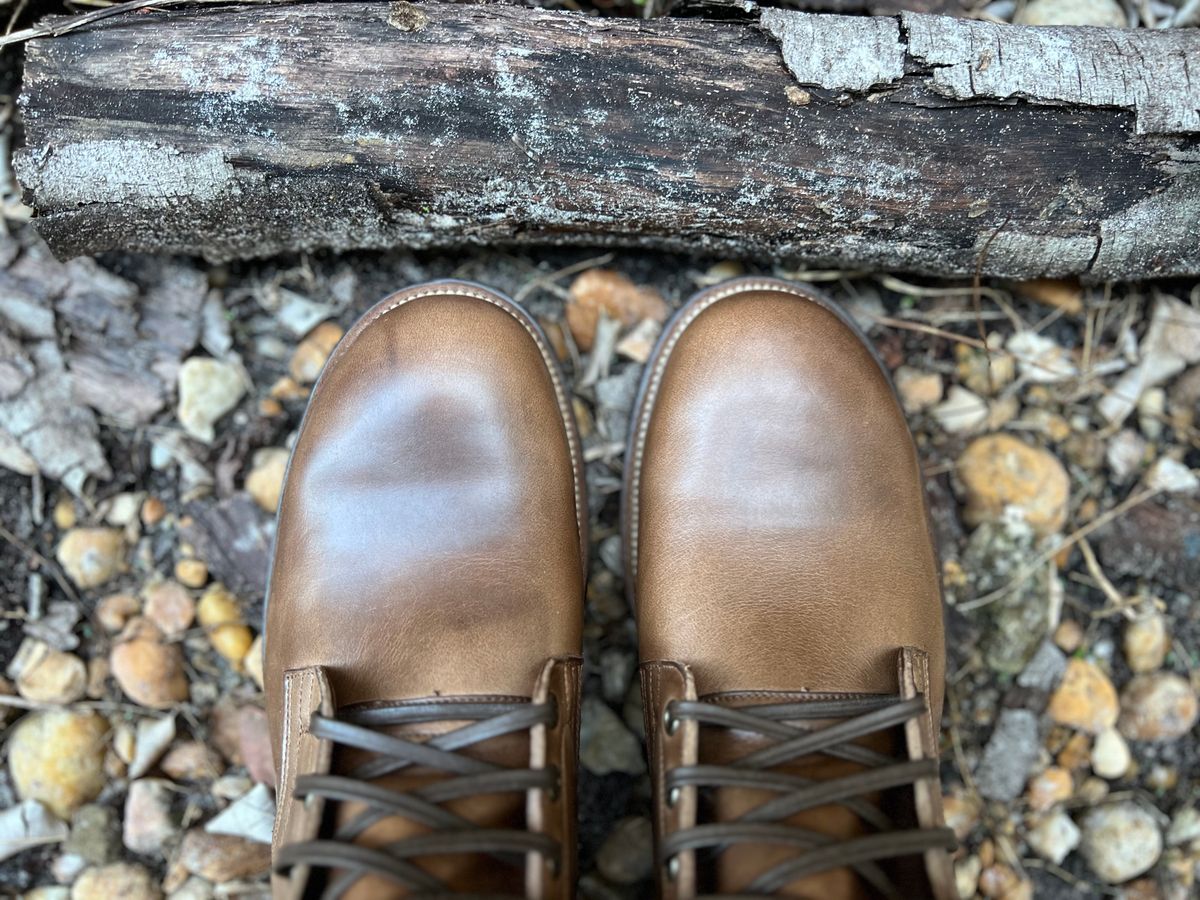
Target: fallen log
[{"x": 918, "y": 142}]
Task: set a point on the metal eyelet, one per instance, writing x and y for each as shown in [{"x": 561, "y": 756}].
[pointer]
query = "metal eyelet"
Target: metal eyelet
[
  {"x": 553, "y": 866},
  {"x": 555, "y": 789},
  {"x": 673, "y": 796},
  {"x": 670, "y": 723},
  {"x": 672, "y": 868}
]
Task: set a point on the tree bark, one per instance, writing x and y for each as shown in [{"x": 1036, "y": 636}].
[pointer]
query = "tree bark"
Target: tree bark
[{"x": 921, "y": 143}]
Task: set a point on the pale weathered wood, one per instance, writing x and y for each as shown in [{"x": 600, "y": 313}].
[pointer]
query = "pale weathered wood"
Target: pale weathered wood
[{"x": 916, "y": 142}]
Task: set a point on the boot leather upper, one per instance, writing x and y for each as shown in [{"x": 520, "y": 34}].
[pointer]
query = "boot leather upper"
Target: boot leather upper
[
  {"x": 778, "y": 542},
  {"x": 431, "y": 544}
]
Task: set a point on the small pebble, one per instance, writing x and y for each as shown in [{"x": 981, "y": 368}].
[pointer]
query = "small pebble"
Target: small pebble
[
  {"x": 1054, "y": 836},
  {"x": 1120, "y": 841},
  {"x": 265, "y": 481},
  {"x": 961, "y": 812},
  {"x": 639, "y": 343},
  {"x": 115, "y": 611},
  {"x": 57, "y": 757},
  {"x": 153, "y": 510},
  {"x": 1158, "y": 707},
  {"x": 1146, "y": 642},
  {"x": 1126, "y": 453},
  {"x": 1049, "y": 788},
  {"x": 147, "y": 823},
  {"x": 127, "y": 881},
  {"x": 154, "y": 735},
  {"x": 312, "y": 352},
  {"x": 48, "y": 675},
  {"x": 605, "y": 744},
  {"x": 1008, "y": 755},
  {"x": 220, "y": 858},
  {"x": 966, "y": 875},
  {"x": 1185, "y": 826},
  {"x": 1068, "y": 635},
  {"x": 1001, "y": 882},
  {"x": 123, "y": 508},
  {"x": 962, "y": 412},
  {"x": 254, "y": 744},
  {"x": 219, "y": 613},
  {"x": 1172, "y": 476},
  {"x": 169, "y": 606},
  {"x": 191, "y": 573},
  {"x": 1044, "y": 670},
  {"x": 287, "y": 388},
  {"x": 1162, "y": 778},
  {"x": 64, "y": 514},
  {"x": 999, "y": 471},
  {"x": 627, "y": 856},
  {"x": 1110, "y": 755},
  {"x": 149, "y": 670},
  {"x": 252, "y": 662},
  {"x": 1076, "y": 753},
  {"x": 95, "y": 835},
  {"x": 1086, "y": 698},
  {"x": 192, "y": 761},
  {"x": 208, "y": 389},
  {"x": 1100, "y": 13},
  {"x": 92, "y": 556},
  {"x": 918, "y": 390},
  {"x": 1040, "y": 359}
]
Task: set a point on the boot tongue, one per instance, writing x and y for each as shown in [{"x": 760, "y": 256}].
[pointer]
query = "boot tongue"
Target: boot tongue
[
  {"x": 739, "y": 864},
  {"x": 466, "y": 873}
]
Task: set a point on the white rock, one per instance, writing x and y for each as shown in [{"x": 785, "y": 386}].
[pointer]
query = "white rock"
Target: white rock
[
  {"x": 29, "y": 824},
  {"x": 1040, "y": 359},
  {"x": 124, "y": 508},
  {"x": 1171, "y": 476},
  {"x": 1054, "y": 837},
  {"x": 966, "y": 876},
  {"x": 46, "y": 675},
  {"x": 1185, "y": 827},
  {"x": 208, "y": 388},
  {"x": 1125, "y": 453},
  {"x": 147, "y": 823},
  {"x": 195, "y": 888},
  {"x": 251, "y": 817},
  {"x": 1101, "y": 13},
  {"x": 961, "y": 411},
  {"x": 1152, "y": 411},
  {"x": 1110, "y": 754},
  {"x": 1172, "y": 342},
  {"x": 1120, "y": 841},
  {"x": 153, "y": 738},
  {"x": 918, "y": 390},
  {"x": 638, "y": 344},
  {"x": 298, "y": 314}
]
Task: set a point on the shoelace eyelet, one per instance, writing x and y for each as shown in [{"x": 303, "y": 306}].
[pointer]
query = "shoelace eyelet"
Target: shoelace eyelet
[{"x": 670, "y": 723}]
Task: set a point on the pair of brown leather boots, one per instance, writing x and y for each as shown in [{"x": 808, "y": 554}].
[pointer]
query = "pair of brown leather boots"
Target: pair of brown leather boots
[{"x": 426, "y": 601}]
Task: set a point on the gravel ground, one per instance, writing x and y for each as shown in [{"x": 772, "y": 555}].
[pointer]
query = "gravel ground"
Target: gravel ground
[
  {"x": 146, "y": 408},
  {"x": 1069, "y": 524}
]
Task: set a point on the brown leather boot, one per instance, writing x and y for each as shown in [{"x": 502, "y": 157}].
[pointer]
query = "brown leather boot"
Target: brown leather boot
[
  {"x": 425, "y": 608},
  {"x": 788, "y": 608}
]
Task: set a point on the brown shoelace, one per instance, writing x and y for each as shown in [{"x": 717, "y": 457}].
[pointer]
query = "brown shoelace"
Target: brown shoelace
[
  {"x": 449, "y": 833},
  {"x": 861, "y": 716}
]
